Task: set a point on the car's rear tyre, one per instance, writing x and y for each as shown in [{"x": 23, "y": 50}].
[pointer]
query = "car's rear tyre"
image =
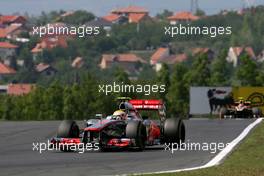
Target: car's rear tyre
[
  {"x": 136, "y": 130},
  {"x": 68, "y": 129},
  {"x": 223, "y": 112},
  {"x": 174, "y": 131},
  {"x": 256, "y": 112}
]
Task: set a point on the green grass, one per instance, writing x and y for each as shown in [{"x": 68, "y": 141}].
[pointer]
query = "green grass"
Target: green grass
[{"x": 246, "y": 160}]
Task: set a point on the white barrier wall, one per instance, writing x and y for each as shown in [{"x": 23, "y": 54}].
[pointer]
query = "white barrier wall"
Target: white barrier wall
[{"x": 206, "y": 100}]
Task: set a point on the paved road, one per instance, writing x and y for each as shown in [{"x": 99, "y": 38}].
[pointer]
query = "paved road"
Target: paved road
[{"x": 17, "y": 157}]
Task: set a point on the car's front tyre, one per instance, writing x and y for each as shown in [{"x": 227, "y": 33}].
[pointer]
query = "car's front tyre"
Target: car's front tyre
[
  {"x": 136, "y": 130},
  {"x": 68, "y": 129},
  {"x": 174, "y": 130}
]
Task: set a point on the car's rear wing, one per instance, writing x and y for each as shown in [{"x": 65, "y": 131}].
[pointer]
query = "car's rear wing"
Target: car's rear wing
[
  {"x": 156, "y": 105},
  {"x": 147, "y": 104}
]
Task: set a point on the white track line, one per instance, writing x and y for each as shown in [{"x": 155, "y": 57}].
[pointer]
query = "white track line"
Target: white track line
[{"x": 219, "y": 157}]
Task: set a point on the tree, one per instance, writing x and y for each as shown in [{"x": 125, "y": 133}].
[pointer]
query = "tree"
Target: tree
[
  {"x": 13, "y": 62},
  {"x": 260, "y": 79},
  {"x": 47, "y": 56},
  {"x": 163, "y": 78},
  {"x": 54, "y": 101},
  {"x": 26, "y": 56},
  {"x": 120, "y": 76},
  {"x": 78, "y": 17},
  {"x": 200, "y": 12},
  {"x": 247, "y": 72},
  {"x": 178, "y": 92},
  {"x": 34, "y": 105},
  {"x": 86, "y": 96},
  {"x": 220, "y": 72},
  {"x": 7, "y": 109},
  {"x": 105, "y": 44},
  {"x": 246, "y": 36},
  {"x": 104, "y": 105},
  {"x": 199, "y": 74},
  {"x": 166, "y": 13},
  {"x": 68, "y": 104},
  {"x": 24, "y": 34}
]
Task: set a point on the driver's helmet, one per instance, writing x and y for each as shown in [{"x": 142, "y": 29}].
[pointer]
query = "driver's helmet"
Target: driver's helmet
[
  {"x": 119, "y": 115},
  {"x": 241, "y": 100}
]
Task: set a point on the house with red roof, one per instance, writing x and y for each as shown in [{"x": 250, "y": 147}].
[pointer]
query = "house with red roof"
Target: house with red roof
[
  {"x": 11, "y": 26},
  {"x": 182, "y": 17},
  {"x": 13, "y": 32},
  {"x": 136, "y": 18},
  {"x": 133, "y": 14},
  {"x": 159, "y": 54},
  {"x": 12, "y": 19},
  {"x": 235, "y": 53},
  {"x": 48, "y": 42},
  {"x": 6, "y": 70},
  {"x": 19, "y": 89},
  {"x": 162, "y": 56},
  {"x": 129, "y": 62}
]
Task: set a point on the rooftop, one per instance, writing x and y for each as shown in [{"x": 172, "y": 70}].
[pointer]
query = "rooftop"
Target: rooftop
[
  {"x": 19, "y": 89},
  {"x": 9, "y": 18},
  {"x": 4, "y": 69},
  {"x": 111, "y": 17},
  {"x": 160, "y": 52},
  {"x": 122, "y": 58},
  {"x": 7, "y": 45},
  {"x": 183, "y": 16},
  {"x": 136, "y": 17},
  {"x": 172, "y": 59}
]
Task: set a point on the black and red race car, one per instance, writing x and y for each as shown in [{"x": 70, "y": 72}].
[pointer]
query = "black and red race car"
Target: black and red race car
[
  {"x": 240, "y": 109},
  {"x": 131, "y": 131}
]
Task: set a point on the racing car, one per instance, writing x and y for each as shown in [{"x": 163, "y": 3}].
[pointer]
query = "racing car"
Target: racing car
[
  {"x": 125, "y": 128},
  {"x": 240, "y": 109}
]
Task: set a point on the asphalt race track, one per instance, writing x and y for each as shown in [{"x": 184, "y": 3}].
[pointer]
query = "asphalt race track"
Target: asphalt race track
[{"x": 18, "y": 158}]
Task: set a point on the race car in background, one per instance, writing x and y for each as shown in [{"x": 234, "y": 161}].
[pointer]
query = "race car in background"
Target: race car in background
[
  {"x": 240, "y": 109},
  {"x": 126, "y": 128}
]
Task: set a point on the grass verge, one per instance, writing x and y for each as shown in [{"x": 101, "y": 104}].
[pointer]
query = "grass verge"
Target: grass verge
[{"x": 246, "y": 160}]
